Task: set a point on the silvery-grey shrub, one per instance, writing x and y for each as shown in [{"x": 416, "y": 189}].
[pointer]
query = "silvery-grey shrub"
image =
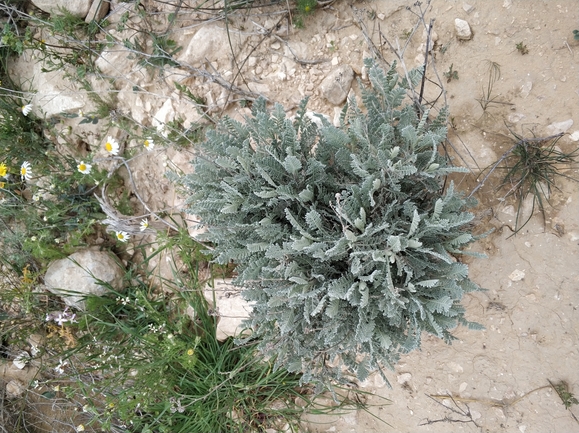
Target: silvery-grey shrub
[{"x": 346, "y": 238}]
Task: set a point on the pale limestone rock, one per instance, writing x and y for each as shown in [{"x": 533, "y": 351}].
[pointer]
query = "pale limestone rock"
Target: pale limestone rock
[
  {"x": 97, "y": 11},
  {"x": 467, "y": 8},
  {"x": 209, "y": 44},
  {"x": 559, "y": 127},
  {"x": 336, "y": 85},
  {"x": 517, "y": 275},
  {"x": 575, "y": 136},
  {"x": 15, "y": 388},
  {"x": 55, "y": 93},
  {"x": 463, "y": 31},
  {"x": 515, "y": 117},
  {"x": 317, "y": 118},
  {"x": 165, "y": 114},
  {"x": 526, "y": 89},
  {"x": 230, "y": 307},
  {"x": 115, "y": 62},
  {"x": 404, "y": 378},
  {"x": 80, "y": 273},
  {"x": 78, "y": 8}
]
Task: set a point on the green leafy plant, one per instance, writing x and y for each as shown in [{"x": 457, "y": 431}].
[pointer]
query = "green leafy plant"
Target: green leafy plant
[
  {"x": 163, "y": 370},
  {"x": 451, "y": 74},
  {"x": 532, "y": 166},
  {"x": 562, "y": 390},
  {"x": 576, "y": 35},
  {"x": 344, "y": 238},
  {"x": 522, "y": 48},
  {"x": 487, "y": 99},
  {"x": 53, "y": 212},
  {"x": 306, "y": 6}
]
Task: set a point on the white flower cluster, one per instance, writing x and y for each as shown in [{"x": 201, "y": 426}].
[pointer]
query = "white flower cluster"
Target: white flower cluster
[{"x": 61, "y": 318}]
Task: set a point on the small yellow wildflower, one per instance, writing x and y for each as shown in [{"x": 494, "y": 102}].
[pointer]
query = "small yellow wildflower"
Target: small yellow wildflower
[
  {"x": 190, "y": 352},
  {"x": 80, "y": 428},
  {"x": 3, "y": 170}
]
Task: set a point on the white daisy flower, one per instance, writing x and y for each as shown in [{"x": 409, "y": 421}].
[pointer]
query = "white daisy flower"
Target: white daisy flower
[
  {"x": 26, "y": 171},
  {"x": 26, "y": 109},
  {"x": 59, "y": 369},
  {"x": 84, "y": 168},
  {"x": 144, "y": 224},
  {"x": 112, "y": 146},
  {"x": 149, "y": 144},
  {"x": 123, "y": 236},
  {"x": 21, "y": 360}
]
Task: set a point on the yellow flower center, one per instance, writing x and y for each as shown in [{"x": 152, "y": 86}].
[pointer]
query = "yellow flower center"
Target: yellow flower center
[
  {"x": 146, "y": 143},
  {"x": 82, "y": 167},
  {"x": 2, "y": 184},
  {"x": 190, "y": 352},
  {"x": 108, "y": 147},
  {"x": 120, "y": 236},
  {"x": 23, "y": 171}
]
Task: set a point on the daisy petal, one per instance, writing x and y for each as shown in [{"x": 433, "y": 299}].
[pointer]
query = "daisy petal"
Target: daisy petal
[
  {"x": 26, "y": 171},
  {"x": 26, "y": 109}
]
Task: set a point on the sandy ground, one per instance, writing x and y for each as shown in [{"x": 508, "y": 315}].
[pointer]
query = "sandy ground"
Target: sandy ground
[{"x": 496, "y": 380}]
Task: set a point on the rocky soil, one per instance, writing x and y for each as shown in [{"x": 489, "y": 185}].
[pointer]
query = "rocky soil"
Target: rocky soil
[{"x": 495, "y": 380}]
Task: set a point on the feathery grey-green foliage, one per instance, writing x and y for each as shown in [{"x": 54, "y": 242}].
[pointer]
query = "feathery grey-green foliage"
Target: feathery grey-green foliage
[{"x": 344, "y": 238}]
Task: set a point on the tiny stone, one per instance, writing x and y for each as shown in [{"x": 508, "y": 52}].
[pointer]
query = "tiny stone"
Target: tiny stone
[
  {"x": 404, "y": 378},
  {"x": 381, "y": 17},
  {"x": 575, "y": 136},
  {"x": 515, "y": 117},
  {"x": 335, "y": 61},
  {"x": 463, "y": 31},
  {"x": 559, "y": 127},
  {"x": 462, "y": 386},
  {"x": 337, "y": 115},
  {"x": 14, "y": 388},
  {"x": 379, "y": 381},
  {"x": 467, "y": 8},
  {"x": 517, "y": 275},
  {"x": 475, "y": 414},
  {"x": 276, "y": 45},
  {"x": 526, "y": 89}
]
